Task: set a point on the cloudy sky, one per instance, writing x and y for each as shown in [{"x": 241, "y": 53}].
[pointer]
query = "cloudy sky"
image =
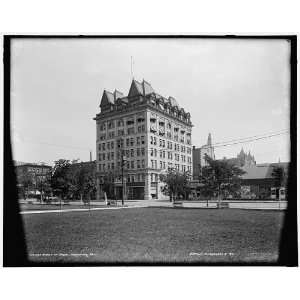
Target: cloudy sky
[{"x": 232, "y": 88}]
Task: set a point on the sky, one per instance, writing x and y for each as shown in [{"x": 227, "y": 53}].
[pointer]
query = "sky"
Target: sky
[{"x": 232, "y": 88}]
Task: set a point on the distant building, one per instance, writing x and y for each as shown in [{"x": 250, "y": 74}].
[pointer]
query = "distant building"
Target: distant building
[
  {"x": 258, "y": 179},
  {"x": 199, "y": 156},
  {"x": 243, "y": 159},
  {"x": 152, "y": 132},
  {"x": 38, "y": 173}
]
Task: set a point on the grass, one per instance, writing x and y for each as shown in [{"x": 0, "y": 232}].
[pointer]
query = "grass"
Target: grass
[{"x": 155, "y": 235}]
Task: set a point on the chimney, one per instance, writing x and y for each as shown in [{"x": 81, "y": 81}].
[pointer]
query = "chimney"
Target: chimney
[{"x": 90, "y": 155}]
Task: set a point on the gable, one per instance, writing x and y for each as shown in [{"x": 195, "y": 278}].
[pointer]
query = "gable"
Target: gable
[
  {"x": 147, "y": 88},
  {"x": 107, "y": 99},
  {"x": 135, "y": 89}
]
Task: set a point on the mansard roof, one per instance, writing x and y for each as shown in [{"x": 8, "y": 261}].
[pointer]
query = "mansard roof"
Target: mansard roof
[
  {"x": 118, "y": 94},
  {"x": 107, "y": 98},
  {"x": 147, "y": 88},
  {"x": 136, "y": 88},
  {"x": 143, "y": 89},
  {"x": 173, "y": 101}
]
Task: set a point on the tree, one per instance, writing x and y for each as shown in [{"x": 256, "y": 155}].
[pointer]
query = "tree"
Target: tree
[
  {"x": 25, "y": 182},
  {"x": 81, "y": 178},
  {"x": 60, "y": 181},
  {"x": 87, "y": 182},
  {"x": 108, "y": 183},
  {"x": 176, "y": 183},
  {"x": 220, "y": 177},
  {"x": 279, "y": 176}
]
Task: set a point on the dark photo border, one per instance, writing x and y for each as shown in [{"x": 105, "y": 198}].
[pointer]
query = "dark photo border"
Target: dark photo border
[{"x": 14, "y": 243}]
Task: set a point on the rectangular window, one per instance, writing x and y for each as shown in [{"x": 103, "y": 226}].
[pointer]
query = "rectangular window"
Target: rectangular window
[
  {"x": 132, "y": 164},
  {"x": 138, "y": 139},
  {"x": 143, "y": 151},
  {"x": 143, "y": 163},
  {"x": 138, "y": 151},
  {"x": 130, "y": 130},
  {"x": 142, "y": 140}
]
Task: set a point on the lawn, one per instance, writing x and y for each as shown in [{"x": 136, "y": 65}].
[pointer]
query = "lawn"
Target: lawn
[{"x": 155, "y": 235}]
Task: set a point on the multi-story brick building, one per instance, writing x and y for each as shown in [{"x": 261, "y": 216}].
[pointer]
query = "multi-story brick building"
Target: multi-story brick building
[
  {"x": 199, "y": 156},
  {"x": 36, "y": 174},
  {"x": 153, "y": 133}
]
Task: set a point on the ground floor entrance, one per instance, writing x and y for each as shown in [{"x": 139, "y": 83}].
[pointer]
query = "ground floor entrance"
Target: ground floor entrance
[{"x": 132, "y": 192}]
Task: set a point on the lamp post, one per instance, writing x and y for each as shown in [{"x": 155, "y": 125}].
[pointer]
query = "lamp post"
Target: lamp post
[{"x": 122, "y": 165}]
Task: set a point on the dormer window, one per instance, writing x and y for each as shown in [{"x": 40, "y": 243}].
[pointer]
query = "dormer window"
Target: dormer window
[
  {"x": 130, "y": 122},
  {"x": 152, "y": 119}
]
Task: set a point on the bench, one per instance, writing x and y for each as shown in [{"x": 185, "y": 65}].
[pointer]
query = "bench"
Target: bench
[
  {"x": 177, "y": 204},
  {"x": 223, "y": 205},
  {"x": 112, "y": 202}
]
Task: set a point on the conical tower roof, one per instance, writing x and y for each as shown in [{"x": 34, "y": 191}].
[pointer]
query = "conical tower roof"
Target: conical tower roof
[{"x": 209, "y": 140}]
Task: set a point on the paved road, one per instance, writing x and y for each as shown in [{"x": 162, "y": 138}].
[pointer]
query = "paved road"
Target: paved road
[{"x": 275, "y": 205}]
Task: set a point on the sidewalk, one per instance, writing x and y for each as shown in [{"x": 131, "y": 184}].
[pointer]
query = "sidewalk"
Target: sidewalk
[{"x": 100, "y": 205}]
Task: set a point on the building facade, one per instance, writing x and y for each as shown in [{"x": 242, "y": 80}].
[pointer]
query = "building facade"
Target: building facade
[
  {"x": 151, "y": 133},
  {"x": 243, "y": 159},
  {"x": 199, "y": 156},
  {"x": 258, "y": 180},
  {"x": 37, "y": 173}
]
